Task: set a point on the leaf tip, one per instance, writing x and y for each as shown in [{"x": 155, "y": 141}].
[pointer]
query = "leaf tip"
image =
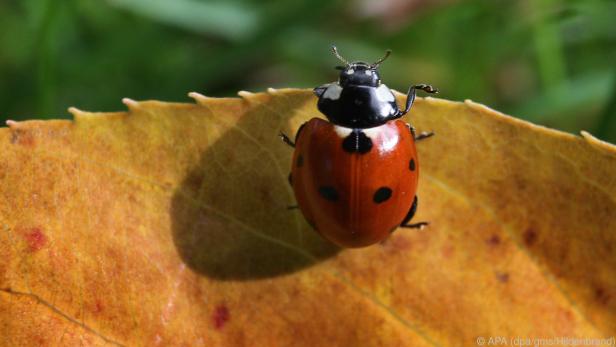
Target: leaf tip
[
  {"x": 244, "y": 94},
  {"x": 595, "y": 142},
  {"x": 130, "y": 103},
  {"x": 198, "y": 97},
  {"x": 75, "y": 112}
]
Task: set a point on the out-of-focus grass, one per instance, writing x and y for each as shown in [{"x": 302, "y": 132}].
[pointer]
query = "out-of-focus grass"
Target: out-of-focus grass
[{"x": 551, "y": 62}]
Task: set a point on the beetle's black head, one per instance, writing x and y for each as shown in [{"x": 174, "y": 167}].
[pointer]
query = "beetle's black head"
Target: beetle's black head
[
  {"x": 358, "y": 99},
  {"x": 359, "y": 74}
]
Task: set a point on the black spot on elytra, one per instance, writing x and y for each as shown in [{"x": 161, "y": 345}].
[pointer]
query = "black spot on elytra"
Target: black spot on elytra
[
  {"x": 300, "y": 161},
  {"x": 412, "y": 164},
  {"x": 328, "y": 192},
  {"x": 381, "y": 195},
  {"x": 291, "y": 179},
  {"x": 357, "y": 142},
  {"x": 530, "y": 237}
]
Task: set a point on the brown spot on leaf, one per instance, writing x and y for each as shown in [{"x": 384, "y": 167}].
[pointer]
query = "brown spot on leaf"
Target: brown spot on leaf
[
  {"x": 220, "y": 316},
  {"x": 494, "y": 240},
  {"x": 603, "y": 296},
  {"x": 23, "y": 138},
  {"x": 530, "y": 237},
  {"x": 194, "y": 182},
  {"x": 35, "y": 239},
  {"x": 502, "y": 277}
]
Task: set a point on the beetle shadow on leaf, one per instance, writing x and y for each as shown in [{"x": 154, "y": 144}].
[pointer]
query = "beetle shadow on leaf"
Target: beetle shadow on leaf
[{"x": 230, "y": 218}]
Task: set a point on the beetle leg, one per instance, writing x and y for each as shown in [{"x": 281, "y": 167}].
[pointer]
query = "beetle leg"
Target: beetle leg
[
  {"x": 419, "y": 225},
  {"x": 422, "y": 135},
  {"x": 409, "y": 216},
  {"x": 427, "y": 88},
  {"x": 412, "y": 130},
  {"x": 410, "y": 95},
  {"x": 286, "y": 139},
  {"x": 410, "y": 98}
]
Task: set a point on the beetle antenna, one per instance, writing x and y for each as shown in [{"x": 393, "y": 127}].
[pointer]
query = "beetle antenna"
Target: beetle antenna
[
  {"x": 378, "y": 62},
  {"x": 335, "y": 51}
]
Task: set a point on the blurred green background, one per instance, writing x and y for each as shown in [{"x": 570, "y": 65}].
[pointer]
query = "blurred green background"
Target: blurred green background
[{"x": 549, "y": 61}]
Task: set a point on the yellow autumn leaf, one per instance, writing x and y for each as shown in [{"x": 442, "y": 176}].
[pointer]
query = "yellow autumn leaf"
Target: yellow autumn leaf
[{"x": 168, "y": 225}]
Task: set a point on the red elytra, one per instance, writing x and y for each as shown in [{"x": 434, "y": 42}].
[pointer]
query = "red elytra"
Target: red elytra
[{"x": 354, "y": 199}]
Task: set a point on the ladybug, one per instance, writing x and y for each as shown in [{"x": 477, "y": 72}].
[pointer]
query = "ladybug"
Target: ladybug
[{"x": 355, "y": 176}]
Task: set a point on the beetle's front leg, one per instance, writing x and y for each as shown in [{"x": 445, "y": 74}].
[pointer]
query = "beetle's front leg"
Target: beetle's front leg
[{"x": 410, "y": 95}]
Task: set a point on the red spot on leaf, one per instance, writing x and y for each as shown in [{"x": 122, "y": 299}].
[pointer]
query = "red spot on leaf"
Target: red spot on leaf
[
  {"x": 447, "y": 251},
  {"x": 35, "y": 239},
  {"x": 568, "y": 316},
  {"x": 530, "y": 237},
  {"x": 98, "y": 307},
  {"x": 220, "y": 316}
]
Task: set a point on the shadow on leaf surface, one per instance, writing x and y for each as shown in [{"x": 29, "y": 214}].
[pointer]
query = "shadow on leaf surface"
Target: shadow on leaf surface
[{"x": 230, "y": 216}]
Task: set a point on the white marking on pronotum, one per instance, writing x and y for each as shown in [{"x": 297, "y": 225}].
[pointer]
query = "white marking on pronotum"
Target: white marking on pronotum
[
  {"x": 333, "y": 91},
  {"x": 386, "y": 135},
  {"x": 384, "y": 94},
  {"x": 342, "y": 131},
  {"x": 368, "y": 72},
  {"x": 386, "y": 110},
  {"x": 350, "y": 71}
]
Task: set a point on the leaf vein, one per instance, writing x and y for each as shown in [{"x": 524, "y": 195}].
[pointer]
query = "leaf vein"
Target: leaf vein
[{"x": 56, "y": 310}]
